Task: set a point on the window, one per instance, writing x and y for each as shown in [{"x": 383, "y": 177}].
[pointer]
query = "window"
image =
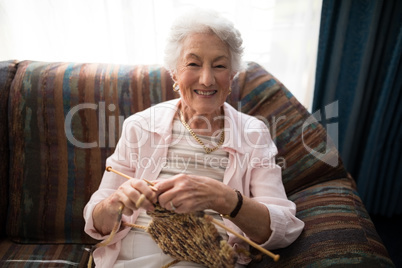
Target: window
[{"x": 281, "y": 35}]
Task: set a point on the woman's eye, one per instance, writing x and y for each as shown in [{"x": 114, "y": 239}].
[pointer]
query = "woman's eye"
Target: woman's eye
[
  {"x": 192, "y": 64},
  {"x": 220, "y": 66}
]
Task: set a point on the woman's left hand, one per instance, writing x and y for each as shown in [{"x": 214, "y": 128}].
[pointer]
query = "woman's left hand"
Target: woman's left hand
[{"x": 184, "y": 193}]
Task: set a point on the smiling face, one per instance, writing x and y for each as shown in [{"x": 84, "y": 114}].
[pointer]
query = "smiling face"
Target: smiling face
[{"x": 203, "y": 74}]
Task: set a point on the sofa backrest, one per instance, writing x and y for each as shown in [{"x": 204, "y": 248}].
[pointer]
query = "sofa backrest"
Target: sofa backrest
[
  {"x": 306, "y": 153},
  {"x": 65, "y": 120}
]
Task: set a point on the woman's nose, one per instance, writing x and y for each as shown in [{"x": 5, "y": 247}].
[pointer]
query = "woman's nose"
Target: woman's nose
[{"x": 207, "y": 77}]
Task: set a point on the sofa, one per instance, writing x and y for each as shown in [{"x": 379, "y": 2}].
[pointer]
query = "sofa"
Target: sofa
[{"x": 60, "y": 121}]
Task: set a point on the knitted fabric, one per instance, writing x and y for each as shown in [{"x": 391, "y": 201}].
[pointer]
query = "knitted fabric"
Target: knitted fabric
[{"x": 190, "y": 237}]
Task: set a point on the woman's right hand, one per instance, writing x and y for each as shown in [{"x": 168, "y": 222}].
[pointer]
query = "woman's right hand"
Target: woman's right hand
[{"x": 128, "y": 194}]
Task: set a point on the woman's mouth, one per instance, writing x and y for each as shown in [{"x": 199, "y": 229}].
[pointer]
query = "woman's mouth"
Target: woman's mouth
[{"x": 205, "y": 92}]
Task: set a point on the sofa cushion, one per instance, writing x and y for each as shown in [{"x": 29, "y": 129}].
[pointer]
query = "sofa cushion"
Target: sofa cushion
[
  {"x": 7, "y": 72},
  {"x": 39, "y": 255},
  {"x": 64, "y": 122},
  {"x": 338, "y": 231},
  {"x": 305, "y": 153}
]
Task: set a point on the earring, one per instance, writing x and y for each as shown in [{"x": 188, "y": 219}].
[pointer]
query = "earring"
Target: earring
[
  {"x": 230, "y": 91},
  {"x": 175, "y": 87}
]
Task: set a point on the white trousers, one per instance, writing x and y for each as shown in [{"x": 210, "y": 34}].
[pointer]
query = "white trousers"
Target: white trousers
[{"x": 139, "y": 250}]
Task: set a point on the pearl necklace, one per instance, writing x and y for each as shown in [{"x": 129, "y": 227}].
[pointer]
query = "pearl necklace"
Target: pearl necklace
[{"x": 206, "y": 149}]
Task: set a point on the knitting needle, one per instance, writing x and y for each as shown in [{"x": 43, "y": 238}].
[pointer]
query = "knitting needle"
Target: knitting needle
[
  {"x": 275, "y": 257},
  {"x": 151, "y": 185}
]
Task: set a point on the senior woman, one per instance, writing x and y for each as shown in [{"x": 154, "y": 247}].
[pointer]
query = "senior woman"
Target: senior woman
[{"x": 201, "y": 153}]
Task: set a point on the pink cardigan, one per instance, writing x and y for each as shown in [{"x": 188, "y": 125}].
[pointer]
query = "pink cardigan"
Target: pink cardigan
[{"x": 142, "y": 150}]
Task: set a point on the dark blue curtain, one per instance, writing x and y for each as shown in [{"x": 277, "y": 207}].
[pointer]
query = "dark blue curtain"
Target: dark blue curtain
[{"x": 359, "y": 65}]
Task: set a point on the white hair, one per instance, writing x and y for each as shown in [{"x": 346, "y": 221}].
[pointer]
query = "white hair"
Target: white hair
[{"x": 203, "y": 21}]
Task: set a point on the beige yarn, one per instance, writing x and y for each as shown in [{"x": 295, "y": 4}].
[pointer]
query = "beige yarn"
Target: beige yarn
[{"x": 189, "y": 237}]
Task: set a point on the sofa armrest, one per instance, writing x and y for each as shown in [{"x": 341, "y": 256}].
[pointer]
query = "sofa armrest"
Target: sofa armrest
[
  {"x": 7, "y": 73},
  {"x": 338, "y": 230}
]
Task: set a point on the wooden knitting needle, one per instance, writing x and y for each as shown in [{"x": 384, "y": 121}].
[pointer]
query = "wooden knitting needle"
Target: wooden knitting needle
[
  {"x": 151, "y": 185},
  {"x": 275, "y": 257}
]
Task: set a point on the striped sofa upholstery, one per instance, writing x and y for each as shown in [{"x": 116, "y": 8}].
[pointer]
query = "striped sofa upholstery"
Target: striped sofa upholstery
[
  {"x": 7, "y": 72},
  {"x": 60, "y": 121}
]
